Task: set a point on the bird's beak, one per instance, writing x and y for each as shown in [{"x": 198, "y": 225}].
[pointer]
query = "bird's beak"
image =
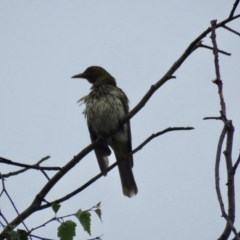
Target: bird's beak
[{"x": 80, "y": 75}]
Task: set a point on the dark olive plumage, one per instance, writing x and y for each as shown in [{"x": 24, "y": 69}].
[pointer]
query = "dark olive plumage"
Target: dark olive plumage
[{"x": 106, "y": 106}]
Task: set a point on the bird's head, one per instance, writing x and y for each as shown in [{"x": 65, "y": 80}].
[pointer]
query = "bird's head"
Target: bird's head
[{"x": 96, "y": 74}]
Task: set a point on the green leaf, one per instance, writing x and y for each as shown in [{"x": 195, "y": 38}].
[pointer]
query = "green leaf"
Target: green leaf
[
  {"x": 98, "y": 205},
  {"x": 99, "y": 213},
  {"x": 23, "y": 235},
  {"x": 66, "y": 231},
  {"x": 84, "y": 218},
  {"x": 14, "y": 235},
  {"x": 78, "y": 214},
  {"x": 55, "y": 207}
]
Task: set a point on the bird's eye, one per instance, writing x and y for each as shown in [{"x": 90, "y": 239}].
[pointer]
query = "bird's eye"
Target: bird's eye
[{"x": 91, "y": 69}]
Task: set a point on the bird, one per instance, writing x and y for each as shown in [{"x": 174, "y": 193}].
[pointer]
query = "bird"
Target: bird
[{"x": 106, "y": 107}]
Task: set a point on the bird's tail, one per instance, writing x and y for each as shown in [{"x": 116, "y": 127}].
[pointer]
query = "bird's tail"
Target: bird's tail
[{"x": 129, "y": 185}]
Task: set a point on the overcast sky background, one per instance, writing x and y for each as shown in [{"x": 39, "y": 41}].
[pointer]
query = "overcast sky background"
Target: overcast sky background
[{"x": 44, "y": 43}]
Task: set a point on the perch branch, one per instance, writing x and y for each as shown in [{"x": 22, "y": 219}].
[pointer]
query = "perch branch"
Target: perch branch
[{"x": 91, "y": 181}]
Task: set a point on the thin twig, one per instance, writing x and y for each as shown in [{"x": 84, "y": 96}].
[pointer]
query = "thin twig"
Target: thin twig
[
  {"x": 42, "y": 238},
  {"x": 231, "y": 30},
  {"x": 6, "y": 222},
  {"x": 27, "y": 166},
  {"x": 2, "y": 225},
  {"x": 212, "y": 118},
  {"x": 220, "y": 51},
  {"x": 234, "y": 168},
  {"x": 51, "y": 220},
  {"x": 96, "y": 238},
  {"x": 45, "y": 174},
  {"x": 158, "y": 134},
  {"x": 25, "y": 169},
  {"x": 10, "y": 199}
]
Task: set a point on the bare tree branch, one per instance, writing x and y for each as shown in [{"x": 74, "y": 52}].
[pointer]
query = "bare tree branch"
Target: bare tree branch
[
  {"x": 51, "y": 220},
  {"x": 230, "y": 225},
  {"x": 10, "y": 199},
  {"x": 174, "y": 67},
  {"x": 26, "y": 166},
  {"x": 41, "y": 237},
  {"x": 217, "y": 166},
  {"x": 231, "y": 30},
  {"x": 234, "y": 8},
  {"x": 230, "y": 183},
  {"x": 3, "y": 217},
  {"x": 236, "y": 165},
  {"x": 218, "y": 80},
  {"x": 96, "y": 238},
  {"x": 229, "y": 129},
  {"x": 212, "y": 118},
  {"x": 220, "y": 51},
  {"x": 91, "y": 181},
  {"x": 25, "y": 169}
]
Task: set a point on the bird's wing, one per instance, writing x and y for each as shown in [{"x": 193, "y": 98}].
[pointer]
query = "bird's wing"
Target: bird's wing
[
  {"x": 101, "y": 151},
  {"x": 129, "y": 144},
  {"x": 125, "y": 102}
]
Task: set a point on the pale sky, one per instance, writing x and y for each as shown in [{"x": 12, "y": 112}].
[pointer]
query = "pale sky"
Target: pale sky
[{"x": 44, "y": 43}]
